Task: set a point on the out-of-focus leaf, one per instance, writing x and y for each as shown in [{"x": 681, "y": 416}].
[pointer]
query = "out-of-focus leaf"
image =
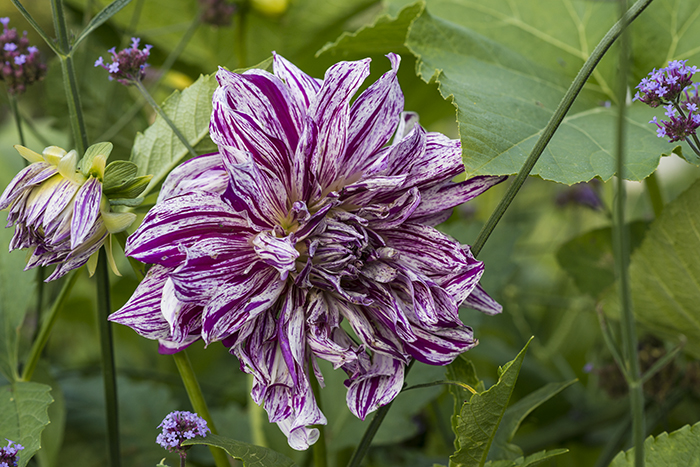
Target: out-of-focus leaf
[
  {"x": 52, "y": 436},
  {"x": 589, "y": 259},
  {"x": 157, "y": 150},
  {"x": 480, "y": 417},
  {"x": 528, "y": 461},
  {"x": 386, "y": 34},
  {"x": 23, "y": 415},
  {"x": 665, "y": 273},
  {"x": 251, "y": 455},
  {"x": 16, "y": 294},
  {"x": 682, "y": 447},
  {"x": 514, "y": 416}
]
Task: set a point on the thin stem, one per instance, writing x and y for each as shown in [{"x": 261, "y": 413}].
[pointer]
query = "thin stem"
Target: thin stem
[
  {"x": 17, "y": 117},
  {"x": 36, "y": 26},
  {"x": 319, "y": 449},
  {"x": 183, "y": 460},
  {"x": 257, "y": 417},
  {"x": 657, "y": 201},
  {"x": 194, "y": 392},
  {"x": 241, "y": 43},
  {"x": 159, "y": 111},
  {"x": 371, "y": 431},
  {"x": 612, "y": 345},
  {"x": 558, "y": 116},
  {"x": 692, "y": 146},
  {"x": 441, "y": 383},
  {"x": 621, "y": 242},
  {"x": 662, "y": 362},
  {"x": 104, "y": 308},
  {"x": 47, "y": 325}
]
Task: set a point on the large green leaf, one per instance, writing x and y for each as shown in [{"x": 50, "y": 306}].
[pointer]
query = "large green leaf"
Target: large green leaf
[
  {"x": 505, "y": 94},
  {"x": 479, "y": 418},
  {"x": 157, "y": 150},
  {"x": 23, "y": 415},
  {"x": 251, "y": 455},
  {"x": 682, "y": 447},
  {"x": 665, "y": 273},
  {"x": 16, "y": 294},
  {"x": 514, "y": 416}
]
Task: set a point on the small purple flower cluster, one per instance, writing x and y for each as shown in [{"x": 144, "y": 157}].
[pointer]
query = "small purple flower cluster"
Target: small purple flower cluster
[
  {"x": 179, "y": 426},
  {"x": 128, "y": 65},
  {"x": 668, "y": 87},
  {"x": 8, "y": 454},
  {"x": 19, "y": 62},
  {"x": 666, "y": 84},
  {"x": 217, "y": 12}
]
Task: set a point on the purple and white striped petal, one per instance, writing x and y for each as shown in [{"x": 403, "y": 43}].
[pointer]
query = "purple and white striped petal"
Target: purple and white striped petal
[
  {"x": 302, "y": 87},
  {"x": 20, "y": 183},
  {"x": 440, "y": 346},
  {"x": 203, "y": 173},
  {"x": 479, "y": 300},
  {"x": 86, "y": 210},
  {"x": 379, "y": 386},
  {"x": 277, "y": 252}
]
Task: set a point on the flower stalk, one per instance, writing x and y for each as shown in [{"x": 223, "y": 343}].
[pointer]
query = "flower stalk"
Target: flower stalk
[
  {"x": 47, "y": 325},
  {"x": 558, "y": 116},
  {"x": 194, "y": 392}
]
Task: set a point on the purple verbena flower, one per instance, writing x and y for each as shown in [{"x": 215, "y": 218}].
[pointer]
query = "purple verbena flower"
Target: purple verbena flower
[
  {"x": 310, "y": 215},
  {"x": 9, "y": 455},
  {"x": 59, "y": 210},
  {"x": 178, "y": 427},
  {"x": 667, "y": 84},
  {"x": 128, "y": 65},
  {"x": 19, "y": 62}
]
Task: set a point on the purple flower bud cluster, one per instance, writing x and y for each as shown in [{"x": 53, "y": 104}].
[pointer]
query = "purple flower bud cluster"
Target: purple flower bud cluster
[
  {"x": 669, "y": 87},
  {"x": 9, "y": 454},
  {"x": 179, "y": 426},
  {"x": 20, "y": 65},
  {"x": 584, "y": 194},
  {"x": 666, "y": 84},
  {"x": 128, "y": 65},
  {"x": 217, "y": 12}
]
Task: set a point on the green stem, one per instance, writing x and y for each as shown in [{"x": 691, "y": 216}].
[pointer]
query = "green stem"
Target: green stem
[
  {"x": 320, "y": 448},
  {"x": 621, "y": 242},
  {"x": 441, "y": 383},
  {"x": 47, "y": 325},
  {"x": 194, "y": 392},
  {"x": 18, "y": 118},
  {"x": 104, "y": 308},
  {"x": 162, "y": 114},
  {"x": 36, "y": 26},
  {"x": 257, "y": 417},
  {"x": 241, "y": 43},
  {"x": 657, "y": 201},
  {"x": 371, "y": 431},
  {"x": 558, "y": 116}
]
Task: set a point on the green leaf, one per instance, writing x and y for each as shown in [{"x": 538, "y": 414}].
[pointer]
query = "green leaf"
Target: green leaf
[
  {"x": 462, "y": 369},
  {"x": 479, "y": 418},
  {"x": 249, "y": 454},
  {"x": 23, "y": 415},
  {"x": 589, "y": 259},
  {"x": 106, "y": 13},
  {"x": 92, "y": 152},
  {"x": 529, "y": 461},
  {"x": 505, "y": 98},
  {"x": 157, "y": 150},
  {"x": 16, "y": 295},
  {"x": 514, "y": 416},
  {"x": 118, "y": 173},
  {"x": 387, "y": 33},
  {"x": 682, "y": 447},
  {"x": 665, "y": 273}
]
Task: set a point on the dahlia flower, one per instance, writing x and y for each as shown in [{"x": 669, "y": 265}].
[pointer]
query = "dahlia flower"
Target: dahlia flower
[
  {"x": 60, "y": 209},
  {"x": 309, "y": 216}
]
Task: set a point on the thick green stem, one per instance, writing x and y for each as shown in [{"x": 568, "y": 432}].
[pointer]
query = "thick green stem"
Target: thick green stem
[
  {"x": 241, "y": 44},
  {"x": 162, "y": 114},
  {"x": 17, "y": 117},
  {"x": 257, "y": 417},
  {"x": 657, "y": 200},
  {"x": 559, "y": 114},
  {"x": 47, "y": 325},
  {"x": 104, "y": 308},
  {"x": 194, "y": 392},
  {"x": 621, "y": 242},
  {"x": 320, "y": 450}
]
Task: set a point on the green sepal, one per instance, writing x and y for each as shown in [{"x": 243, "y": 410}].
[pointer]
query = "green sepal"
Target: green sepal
[
  {"x": 93, "y": 151},
  {"x": 131, "y": 189},
  {"x": 118, "y": 173},
  {"x": 133, "y": 202}
]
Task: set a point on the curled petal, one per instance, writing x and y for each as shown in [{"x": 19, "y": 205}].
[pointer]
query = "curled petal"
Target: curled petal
[{"x": 379, "y": 386}]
